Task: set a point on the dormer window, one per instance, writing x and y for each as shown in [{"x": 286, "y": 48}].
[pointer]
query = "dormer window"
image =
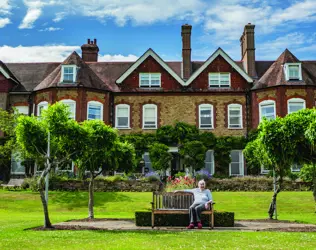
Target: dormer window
[
  {"x": 219, "y": 80},
  {"x": 149, "y": 80},
  {"x": 293, "y": 71},
  {"x": 68, "y": 73}
]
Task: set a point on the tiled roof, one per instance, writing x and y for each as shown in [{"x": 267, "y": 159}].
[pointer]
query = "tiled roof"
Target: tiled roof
[
  {"x": 275, "y": 75},
  {"x": 85, "y": 76}
]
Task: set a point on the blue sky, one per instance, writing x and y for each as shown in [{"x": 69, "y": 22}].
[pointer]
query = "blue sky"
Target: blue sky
[{"x": 49, "y": 30}]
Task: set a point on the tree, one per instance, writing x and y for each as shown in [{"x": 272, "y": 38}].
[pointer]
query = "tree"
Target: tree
[
  {"x": 160, "y": 156},
  {"x": 7, "y": 143},
  {"x": 193, "y": 153},
  {"x": 51, "y": 140}
]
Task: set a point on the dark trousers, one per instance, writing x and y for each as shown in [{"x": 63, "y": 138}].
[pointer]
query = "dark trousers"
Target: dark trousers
[{"x": 195, "y": 212}]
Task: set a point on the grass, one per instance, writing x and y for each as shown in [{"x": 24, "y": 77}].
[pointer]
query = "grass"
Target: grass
[{"x": 21, "y": 210}]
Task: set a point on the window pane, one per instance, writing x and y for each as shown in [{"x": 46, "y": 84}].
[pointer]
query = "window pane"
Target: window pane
[
  {"x": 205, "y": 117},
  {"x": 235, "y": 156},
  {"x": 122, "y": 112},
  {"x": 268, "y": 111},
  {"x": 122, "y": 121},
  {"x": 94, "y": 112},
  {"x": 295, "y": 106},
  {"x": 235, "y": 169},
  {"x": 150, "y": 118},
  {"x": 234, "y": 121},
  {"x": 294, "y": 72}
]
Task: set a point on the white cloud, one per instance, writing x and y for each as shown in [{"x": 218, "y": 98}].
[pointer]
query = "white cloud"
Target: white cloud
[
  {"x": 48, "y": 53},
  {"x": 140, "y": 12},
  {"x": 59, "y": 16},
  {"x": 34, "y": 11},
  {"x": 50, "y": 29},
  {"x": 117, "y": 58},
  {"x": 4, "y": 22},
  {"x": 5, "y": 7}
]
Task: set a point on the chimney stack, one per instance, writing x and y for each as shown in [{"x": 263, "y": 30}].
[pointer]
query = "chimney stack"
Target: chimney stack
[
  {"x": 186, "y": 50},
  {"x": 90, "y": 51},
  {"x": 247, "y": 43}
]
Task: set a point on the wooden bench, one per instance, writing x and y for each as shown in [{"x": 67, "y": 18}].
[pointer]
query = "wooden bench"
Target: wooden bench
[
  {"x": 13, "y": 183},
  {"x": 176, "y": 203}
]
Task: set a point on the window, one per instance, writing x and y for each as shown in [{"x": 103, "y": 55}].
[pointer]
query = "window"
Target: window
[
  {"x": 236, "y": 167},
  {"x": 67, "y": 166},
  {"x": 206, "y": 116},
  {"x": 68, "y": 73},
  {"x": 147, "y": 164},
  {"x": 219, "y": 80},
  {"x": 149, "y": 80},
  {"x": 293, "y": 71},
  {"x": 122, "y": 112},
  {"x": 22, "y": 110},
  {"x": 72, "y": 107},
  {"x": 95, "y": 110},
  {"x": 209, "y": 161},
  {"x": 40, "y": 107},
  {"x": 16, "y": 166},
  {"x": 267, "y": 110},
  {"x": 150, "y": 116},
  {"x": 296, "y": 168},
  {"x": 234, "y": 116},
  {"x": 264, "y": 170},
  {"x": 295, "y": 104}
]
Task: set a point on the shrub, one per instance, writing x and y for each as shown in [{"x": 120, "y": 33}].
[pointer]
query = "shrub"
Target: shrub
[
  {"x": 221, "y": 219},
  {"x": 152, "y": 176},
  {"x": 306, "y": 173},
  {"x": 179, "y": 183},
  {"x": 115, "y": 178},
  {"x": 180, "y": 174},
  {"x": 203, "y": 174}
]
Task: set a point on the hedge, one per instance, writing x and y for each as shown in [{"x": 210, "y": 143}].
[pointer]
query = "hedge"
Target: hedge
[{"x": 221, "y": 219}]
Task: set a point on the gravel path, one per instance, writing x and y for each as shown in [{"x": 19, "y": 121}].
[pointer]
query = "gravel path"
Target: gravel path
[{"x": 111, "y": 224}]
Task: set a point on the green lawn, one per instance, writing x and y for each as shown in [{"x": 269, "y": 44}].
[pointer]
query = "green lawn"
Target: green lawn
[{"x": 21, "y": 210}]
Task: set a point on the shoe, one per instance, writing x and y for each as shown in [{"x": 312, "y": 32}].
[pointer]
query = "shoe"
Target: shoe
[
  {"x": 191, "y": 226},
  {"x": 199, "y": 225}
]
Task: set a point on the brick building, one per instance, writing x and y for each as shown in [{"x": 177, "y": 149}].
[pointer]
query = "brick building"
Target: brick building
[{"x": 220, "y": 95}]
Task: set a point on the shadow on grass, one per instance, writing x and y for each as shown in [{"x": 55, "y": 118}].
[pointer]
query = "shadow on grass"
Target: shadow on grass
[{"x": 74, "y": 200}]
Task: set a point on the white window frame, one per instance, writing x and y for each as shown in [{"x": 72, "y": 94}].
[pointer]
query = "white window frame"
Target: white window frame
[
  {"x": 19, "y": 109},
  {"x": 241, "y": 164},
  {"x": 67, "y": 171},
  {"x": 264, "y": 103},
  {"x": 156, "y": 115},
  {"x": 74, "y": 67},
  {"x": 295, "y": 100},
  {"x": 295, "y": 170},
  {"x": 212, "y": 161},
  {"x": 43, "y": 104},
  {"x": 264, "y": 170},
  {"x": 219, "y": 74},
  {"x": 70, "y": 101},
  {"x": 96, "y": 104},
  {"x": 287, "y": 71},
  {"x": 116, "y": 117},
  {"x": 235, "y": 105},
  {"x": 203, "y": 106},
  {"x": 149, "y": 76}
]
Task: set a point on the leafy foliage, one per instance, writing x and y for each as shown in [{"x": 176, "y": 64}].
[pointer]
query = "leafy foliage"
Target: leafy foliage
[
  {"x": 193, "y": 153},
  {"x": 160, "y": 156}
]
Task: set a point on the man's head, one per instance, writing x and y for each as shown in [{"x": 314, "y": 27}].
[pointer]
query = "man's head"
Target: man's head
[{"x": 201, "y": 184}]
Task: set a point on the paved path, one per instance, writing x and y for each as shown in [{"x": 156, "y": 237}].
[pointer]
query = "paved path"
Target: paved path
[{"x": 108, "y": 224}]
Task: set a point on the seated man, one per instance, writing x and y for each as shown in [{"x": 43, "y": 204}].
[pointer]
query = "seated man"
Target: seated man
[{"x": 202, "y": 200}]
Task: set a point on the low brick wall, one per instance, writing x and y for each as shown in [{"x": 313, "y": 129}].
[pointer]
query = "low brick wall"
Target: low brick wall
[{"x": 106, "y": 186}]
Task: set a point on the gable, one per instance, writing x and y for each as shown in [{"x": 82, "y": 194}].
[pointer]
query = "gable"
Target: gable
[
  {"x": 219, "y": 65},
  {"x": 150, "y": 65},
  {"x": 218, "y": 52},
  {"x": 148, "y": 53}
]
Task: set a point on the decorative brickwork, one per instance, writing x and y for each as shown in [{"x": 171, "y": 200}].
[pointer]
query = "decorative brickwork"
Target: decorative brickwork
[
  {"x": 266, "y": 94},
  {"x": 44, "y": 96},
  {"x": 94, "y": 96},
  {"x": 182, "y": 108},
  {"x": 65, "y": 94},
  {"x": 295, "y": 92}
]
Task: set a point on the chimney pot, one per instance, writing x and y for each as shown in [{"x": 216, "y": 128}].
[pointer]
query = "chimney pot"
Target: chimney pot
[{"x": 90, "y": 51}]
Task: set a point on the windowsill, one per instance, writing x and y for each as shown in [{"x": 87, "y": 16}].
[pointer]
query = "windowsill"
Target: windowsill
[
  {"x": 228, "y": 88},
  {"x": 120, "y": 128},
  {"x": 206, "y": 128},
  {"x": 235, "y": 128},
  {"x": 67, "y": 83},
  {"x": 149, "y": 128}
]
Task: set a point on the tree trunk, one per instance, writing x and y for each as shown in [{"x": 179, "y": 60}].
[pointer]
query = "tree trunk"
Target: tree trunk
[
  {"x": 91, "y": 197},
  {"x": 272, "y": 207},
  {"x": 314, "y": 184},
  {"x": 47, "y": 223}
]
